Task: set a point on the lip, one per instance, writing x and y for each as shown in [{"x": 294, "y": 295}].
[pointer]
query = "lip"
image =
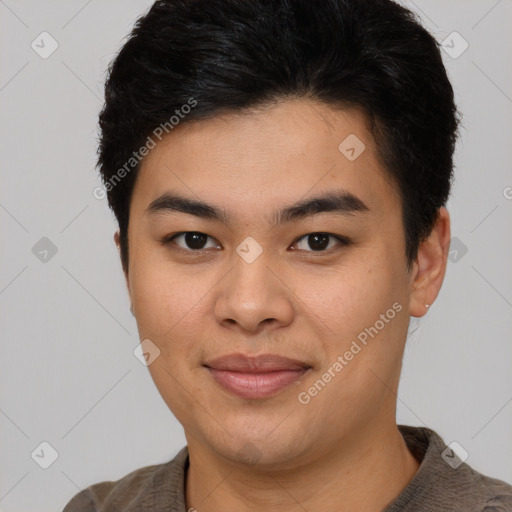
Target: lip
[
  {"x": 256, "y": 377},
  {"x": 255, "y": 364}
]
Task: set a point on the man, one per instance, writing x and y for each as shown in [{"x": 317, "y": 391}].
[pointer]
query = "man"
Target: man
[{"x": 279, "y": 170}]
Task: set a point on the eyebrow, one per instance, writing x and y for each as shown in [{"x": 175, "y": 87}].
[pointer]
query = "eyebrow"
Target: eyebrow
[{"x": 340, "y": 202}]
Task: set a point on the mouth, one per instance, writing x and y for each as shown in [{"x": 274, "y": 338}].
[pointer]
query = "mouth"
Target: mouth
[{"x": 256, "y": 377}]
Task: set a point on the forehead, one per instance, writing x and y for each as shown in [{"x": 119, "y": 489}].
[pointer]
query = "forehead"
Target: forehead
[{"x": 249, "y": 162}]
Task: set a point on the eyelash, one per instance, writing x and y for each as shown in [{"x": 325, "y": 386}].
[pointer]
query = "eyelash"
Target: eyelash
[{"x": 343, "y": 241}]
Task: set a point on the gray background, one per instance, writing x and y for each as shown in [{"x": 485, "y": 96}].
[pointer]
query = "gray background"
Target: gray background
[{"x": 68, "y": 373}]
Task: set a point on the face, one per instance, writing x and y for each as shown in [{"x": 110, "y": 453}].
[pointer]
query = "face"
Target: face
[{"x": 326, "y": 285}]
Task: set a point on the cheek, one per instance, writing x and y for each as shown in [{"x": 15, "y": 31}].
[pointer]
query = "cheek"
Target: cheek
[
  {"x": 349, "y": 298},
  {"x": 167, "y": 302},
  {"x": 363, "y": 302},
  {"x": 167, "y": 299},
  {"x": 364, "y": 309}
]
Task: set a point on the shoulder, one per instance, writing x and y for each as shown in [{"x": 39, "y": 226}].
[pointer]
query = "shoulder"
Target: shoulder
[
  {"x": 498, "y": 493},
  {"x": 445, "y": 482},
  {"x": 151, "y": 488}
]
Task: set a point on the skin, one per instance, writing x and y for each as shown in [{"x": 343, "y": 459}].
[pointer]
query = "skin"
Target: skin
[{"x": 342, "y": 450}]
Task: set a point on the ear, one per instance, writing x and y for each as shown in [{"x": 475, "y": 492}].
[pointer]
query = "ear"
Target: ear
[
  {"x": 430, "y": 266},
  {"x": 117, "y": 238}
]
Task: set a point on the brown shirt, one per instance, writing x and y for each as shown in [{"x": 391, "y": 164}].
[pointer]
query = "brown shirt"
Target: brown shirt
[{"x": 441, "y": 484}]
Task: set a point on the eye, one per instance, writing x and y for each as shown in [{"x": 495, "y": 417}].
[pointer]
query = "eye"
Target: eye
[
  {"x": 194, "y": 241},
  {"x": 319, "y": 242}
]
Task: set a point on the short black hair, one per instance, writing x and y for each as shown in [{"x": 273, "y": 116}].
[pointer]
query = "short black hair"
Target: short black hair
[{"x": 187, "y": 60}]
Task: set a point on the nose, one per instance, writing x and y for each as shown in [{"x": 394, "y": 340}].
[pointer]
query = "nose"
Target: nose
[{"x": 254, "y": 297}]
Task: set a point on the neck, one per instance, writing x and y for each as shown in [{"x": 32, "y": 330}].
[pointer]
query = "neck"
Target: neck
[{"x": 366, "y": 472}]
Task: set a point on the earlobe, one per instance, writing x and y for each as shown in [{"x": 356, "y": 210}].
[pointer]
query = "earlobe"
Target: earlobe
[
  {"x": 117, "y": 239},
  {"x": 430, "y": 266}
]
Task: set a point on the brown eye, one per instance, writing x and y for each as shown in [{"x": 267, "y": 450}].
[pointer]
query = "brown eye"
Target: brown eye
[
  {"x": 191, "y": 240},
  {"x": 320, "y": 242}
]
